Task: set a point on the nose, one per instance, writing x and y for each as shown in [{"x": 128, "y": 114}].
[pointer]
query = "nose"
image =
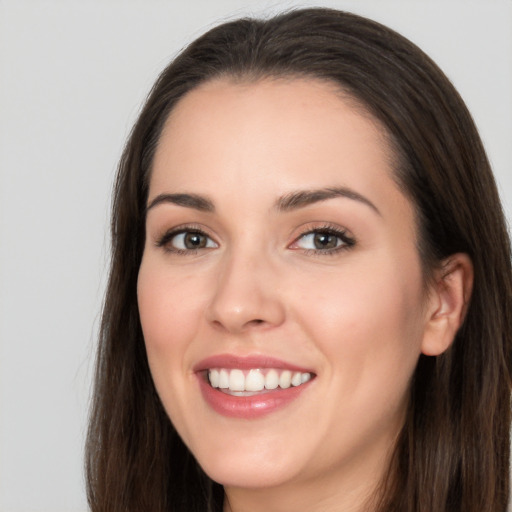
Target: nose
[{"x": 246, "y": 295}]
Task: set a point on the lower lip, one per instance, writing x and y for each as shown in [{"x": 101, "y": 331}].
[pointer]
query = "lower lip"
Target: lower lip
[{"x": 249, "y": 407}]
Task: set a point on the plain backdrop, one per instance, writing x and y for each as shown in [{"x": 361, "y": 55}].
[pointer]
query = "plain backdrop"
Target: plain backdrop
[{"x": 73, "y": 75}]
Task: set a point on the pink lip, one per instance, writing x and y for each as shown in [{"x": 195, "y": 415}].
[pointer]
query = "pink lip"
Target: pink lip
[
  {"x": 247, "y": 407},
  {"x": 246, "y": 363}
]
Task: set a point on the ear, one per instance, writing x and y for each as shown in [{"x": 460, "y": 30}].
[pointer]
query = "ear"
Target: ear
[{"x": 447, "y": 304}]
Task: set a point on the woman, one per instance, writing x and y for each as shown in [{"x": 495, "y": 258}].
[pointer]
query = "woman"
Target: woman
[{"x": 309, "y": 300}]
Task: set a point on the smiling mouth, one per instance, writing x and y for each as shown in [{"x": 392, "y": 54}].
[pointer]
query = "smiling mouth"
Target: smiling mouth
[{"x": 237, "y": 382}]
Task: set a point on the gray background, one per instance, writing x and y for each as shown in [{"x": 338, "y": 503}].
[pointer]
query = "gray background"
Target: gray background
[{"x": 73, "y": 75}]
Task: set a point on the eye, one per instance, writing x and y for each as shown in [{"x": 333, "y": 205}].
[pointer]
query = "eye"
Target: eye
[
  {"x": 191, "y": 240},
  {"x": 186, "y": 241},
  {"x": 324, "y": 240}
]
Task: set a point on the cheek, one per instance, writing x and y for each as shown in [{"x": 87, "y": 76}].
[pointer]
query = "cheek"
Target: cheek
[
  {"x": 168, "y": 305},
  {"x": 368, "y": 321}
]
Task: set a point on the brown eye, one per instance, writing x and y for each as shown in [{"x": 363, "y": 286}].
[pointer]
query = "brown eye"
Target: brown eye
[
  {"x": 325, "y": 241},
  {"x": 194, "y": 240},
  {"x": 186, "y": 241}
]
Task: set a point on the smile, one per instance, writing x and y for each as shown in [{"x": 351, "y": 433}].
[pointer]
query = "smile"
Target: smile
[
  {"x": 251, "y": 387},
  {"x": 240, "y": 382}
]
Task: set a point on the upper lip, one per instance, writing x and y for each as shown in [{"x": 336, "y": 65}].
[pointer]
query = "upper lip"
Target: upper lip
[{"x": 246, "y": 363}]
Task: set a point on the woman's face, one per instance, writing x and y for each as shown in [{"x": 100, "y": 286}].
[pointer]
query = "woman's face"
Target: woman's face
[{"x": 280, "y": 291}]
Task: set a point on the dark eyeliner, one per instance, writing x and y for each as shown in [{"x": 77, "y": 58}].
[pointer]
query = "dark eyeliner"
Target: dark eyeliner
[
  {"x": 165, "y": 239},
  {"x": 328, "y": 229}
]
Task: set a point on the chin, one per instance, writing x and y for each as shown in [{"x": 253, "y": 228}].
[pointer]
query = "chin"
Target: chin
[
  {"x": 248, "y": 476},
  {"x": 250, "y": 468}
]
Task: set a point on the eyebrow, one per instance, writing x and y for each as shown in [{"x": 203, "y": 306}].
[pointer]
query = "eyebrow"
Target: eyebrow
[
  {"x": 194, "y": 201},
  {"x": 286, "y": 203},
  {"x": 301, "y": 198}
]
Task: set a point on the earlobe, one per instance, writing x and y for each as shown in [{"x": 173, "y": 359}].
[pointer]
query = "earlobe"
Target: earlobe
[{"x": 448, "y": 303}]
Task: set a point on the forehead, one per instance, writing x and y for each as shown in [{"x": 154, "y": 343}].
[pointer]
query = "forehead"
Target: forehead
[
  {"x": 268, "y": 119},
  {"x": 271, "y": 137},
  {"x": 272, "y": 102}
]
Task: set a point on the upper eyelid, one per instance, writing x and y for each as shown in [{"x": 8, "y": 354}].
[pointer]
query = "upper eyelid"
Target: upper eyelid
[
  {"x": 338, "y": 234},
  {"x": 315, "y": 227},
  {"x": 184, "y": 228},
  {"x": 170, "y": 233}
]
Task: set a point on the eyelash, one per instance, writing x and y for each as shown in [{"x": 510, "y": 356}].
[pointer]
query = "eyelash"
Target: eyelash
[
  {"x": 347, "y": 241},
  {"x": 168, "y": 236}
]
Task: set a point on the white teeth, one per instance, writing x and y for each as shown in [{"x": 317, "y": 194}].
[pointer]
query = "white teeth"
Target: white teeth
[
  {"x": 285, "y": 379},
  {"x": 214, "y": 378},
  {"x": 272, "y": 380},
  {"x": 297, "y": 379},
  {"x": 254, "y": 380},
  {"x": 223, "y": 379},
  {"x": 304, "y": 377},
  {"x": 236, "y": 380}
]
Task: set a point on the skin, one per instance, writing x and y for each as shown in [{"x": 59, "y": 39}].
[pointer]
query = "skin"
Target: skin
[{"x": 358, "y": 317}]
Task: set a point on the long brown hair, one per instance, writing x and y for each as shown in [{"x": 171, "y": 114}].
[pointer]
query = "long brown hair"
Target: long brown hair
[{"x": 453, "y": 451}]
